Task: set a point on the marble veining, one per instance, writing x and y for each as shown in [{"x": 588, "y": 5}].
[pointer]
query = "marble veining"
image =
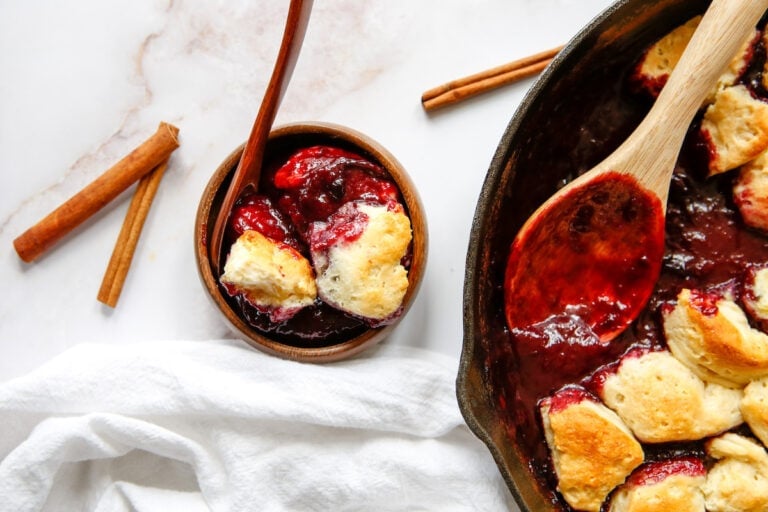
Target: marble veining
[{"x": 85, "y": 82}]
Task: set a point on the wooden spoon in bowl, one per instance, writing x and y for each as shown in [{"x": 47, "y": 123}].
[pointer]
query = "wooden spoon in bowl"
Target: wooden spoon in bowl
[
  {"x": 249, "y": 167},
  {"x": 594, "y": 249}
]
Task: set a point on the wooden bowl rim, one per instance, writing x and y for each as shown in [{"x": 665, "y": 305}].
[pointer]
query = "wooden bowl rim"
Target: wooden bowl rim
[{"x": 370, "y": 337}]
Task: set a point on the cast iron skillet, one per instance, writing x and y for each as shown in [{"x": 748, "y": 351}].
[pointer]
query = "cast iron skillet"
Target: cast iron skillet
[{"x": 578, "y": 101}]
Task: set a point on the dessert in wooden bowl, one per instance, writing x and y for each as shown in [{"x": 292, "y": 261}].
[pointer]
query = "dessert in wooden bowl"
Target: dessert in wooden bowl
[{"x": 326, "y": 257}]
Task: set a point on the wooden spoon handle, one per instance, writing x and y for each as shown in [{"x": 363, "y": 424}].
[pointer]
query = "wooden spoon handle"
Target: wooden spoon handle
[
  {"x": 293, "y": 36},
  {"x": 249, "y": 166},
  {"x": 651, "y": 151}
]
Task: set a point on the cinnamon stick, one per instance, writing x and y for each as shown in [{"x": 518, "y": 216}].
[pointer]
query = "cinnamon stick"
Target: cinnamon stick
[
  {"x": 125, "y": 247},
  {"x": 43, "y": 235},
  {"x": 472, "y": 85}
]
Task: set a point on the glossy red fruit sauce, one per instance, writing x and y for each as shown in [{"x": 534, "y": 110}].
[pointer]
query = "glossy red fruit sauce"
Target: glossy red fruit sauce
[
  {"x": 344, "y": 225},
  {"x": 655, "y": 472},
  {"x": 566, "y": 397},
  {"x": 315, "y": 182},
  {"x": 595, "y": 253},
  {"x": 258, "y": 213},
  {"x": 306, "y": 188}
]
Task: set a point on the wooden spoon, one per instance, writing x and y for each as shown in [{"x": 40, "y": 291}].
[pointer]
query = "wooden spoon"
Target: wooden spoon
[
  {"x": 594, "y": 249},
  {"x": 249, "y": 167}
]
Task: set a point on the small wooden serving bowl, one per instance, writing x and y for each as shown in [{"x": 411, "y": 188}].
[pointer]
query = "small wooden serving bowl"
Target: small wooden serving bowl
[{"x": 282, "y": 141}]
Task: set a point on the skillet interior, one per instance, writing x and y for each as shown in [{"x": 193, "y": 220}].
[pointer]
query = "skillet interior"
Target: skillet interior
[{"x": 576, "y": 103}]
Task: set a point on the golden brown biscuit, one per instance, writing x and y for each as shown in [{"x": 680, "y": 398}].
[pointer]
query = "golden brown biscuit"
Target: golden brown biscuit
[
  {"x": 273, "y": 277},
  {"x": 754, "y": 408},
  {"x": 737, "y": 66},
  {"x": 364, "y": 276},
  {"x": 755, "y": 296},
  {"x": 661, "y": 400},
  {"x": 672, "y": 485},
  {"x": 592, "y": 450},
  {"x": 712, "y": 336},
  {"x": 660, "y": 59},
  {"x": 750, "y": 192},
  {"x": 765, "y": 65},
  {"x": 735, "y": 127},
  {"x": 739, "y": 480}
]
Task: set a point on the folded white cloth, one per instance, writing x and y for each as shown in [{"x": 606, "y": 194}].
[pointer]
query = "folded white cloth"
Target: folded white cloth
[{"x": 218, "y": 426}]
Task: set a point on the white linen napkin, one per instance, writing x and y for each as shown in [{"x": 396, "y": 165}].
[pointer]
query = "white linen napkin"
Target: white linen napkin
[{"x": 219, "y": 426}]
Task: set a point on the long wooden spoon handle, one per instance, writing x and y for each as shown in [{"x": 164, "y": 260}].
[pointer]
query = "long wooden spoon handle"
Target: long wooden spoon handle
[
  {"x": 295, "y": 28},
  {"x": 249, "y": 166}
]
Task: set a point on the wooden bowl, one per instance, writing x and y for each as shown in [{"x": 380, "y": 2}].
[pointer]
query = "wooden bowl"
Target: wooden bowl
[
  {"x": 282, "y": 141},
  {"x": 575, "y": 99}
]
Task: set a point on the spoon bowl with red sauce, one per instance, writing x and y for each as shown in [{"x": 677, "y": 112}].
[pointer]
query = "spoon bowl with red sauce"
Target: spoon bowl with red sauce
[{"x": 318, "y": 333}]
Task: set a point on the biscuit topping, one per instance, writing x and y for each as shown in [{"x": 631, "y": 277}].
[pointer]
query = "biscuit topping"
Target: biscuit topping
[{"x": 358, "y": 255}]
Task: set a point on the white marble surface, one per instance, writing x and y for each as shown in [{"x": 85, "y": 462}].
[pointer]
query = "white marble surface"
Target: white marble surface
[{"x": 84, "y": 82}]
